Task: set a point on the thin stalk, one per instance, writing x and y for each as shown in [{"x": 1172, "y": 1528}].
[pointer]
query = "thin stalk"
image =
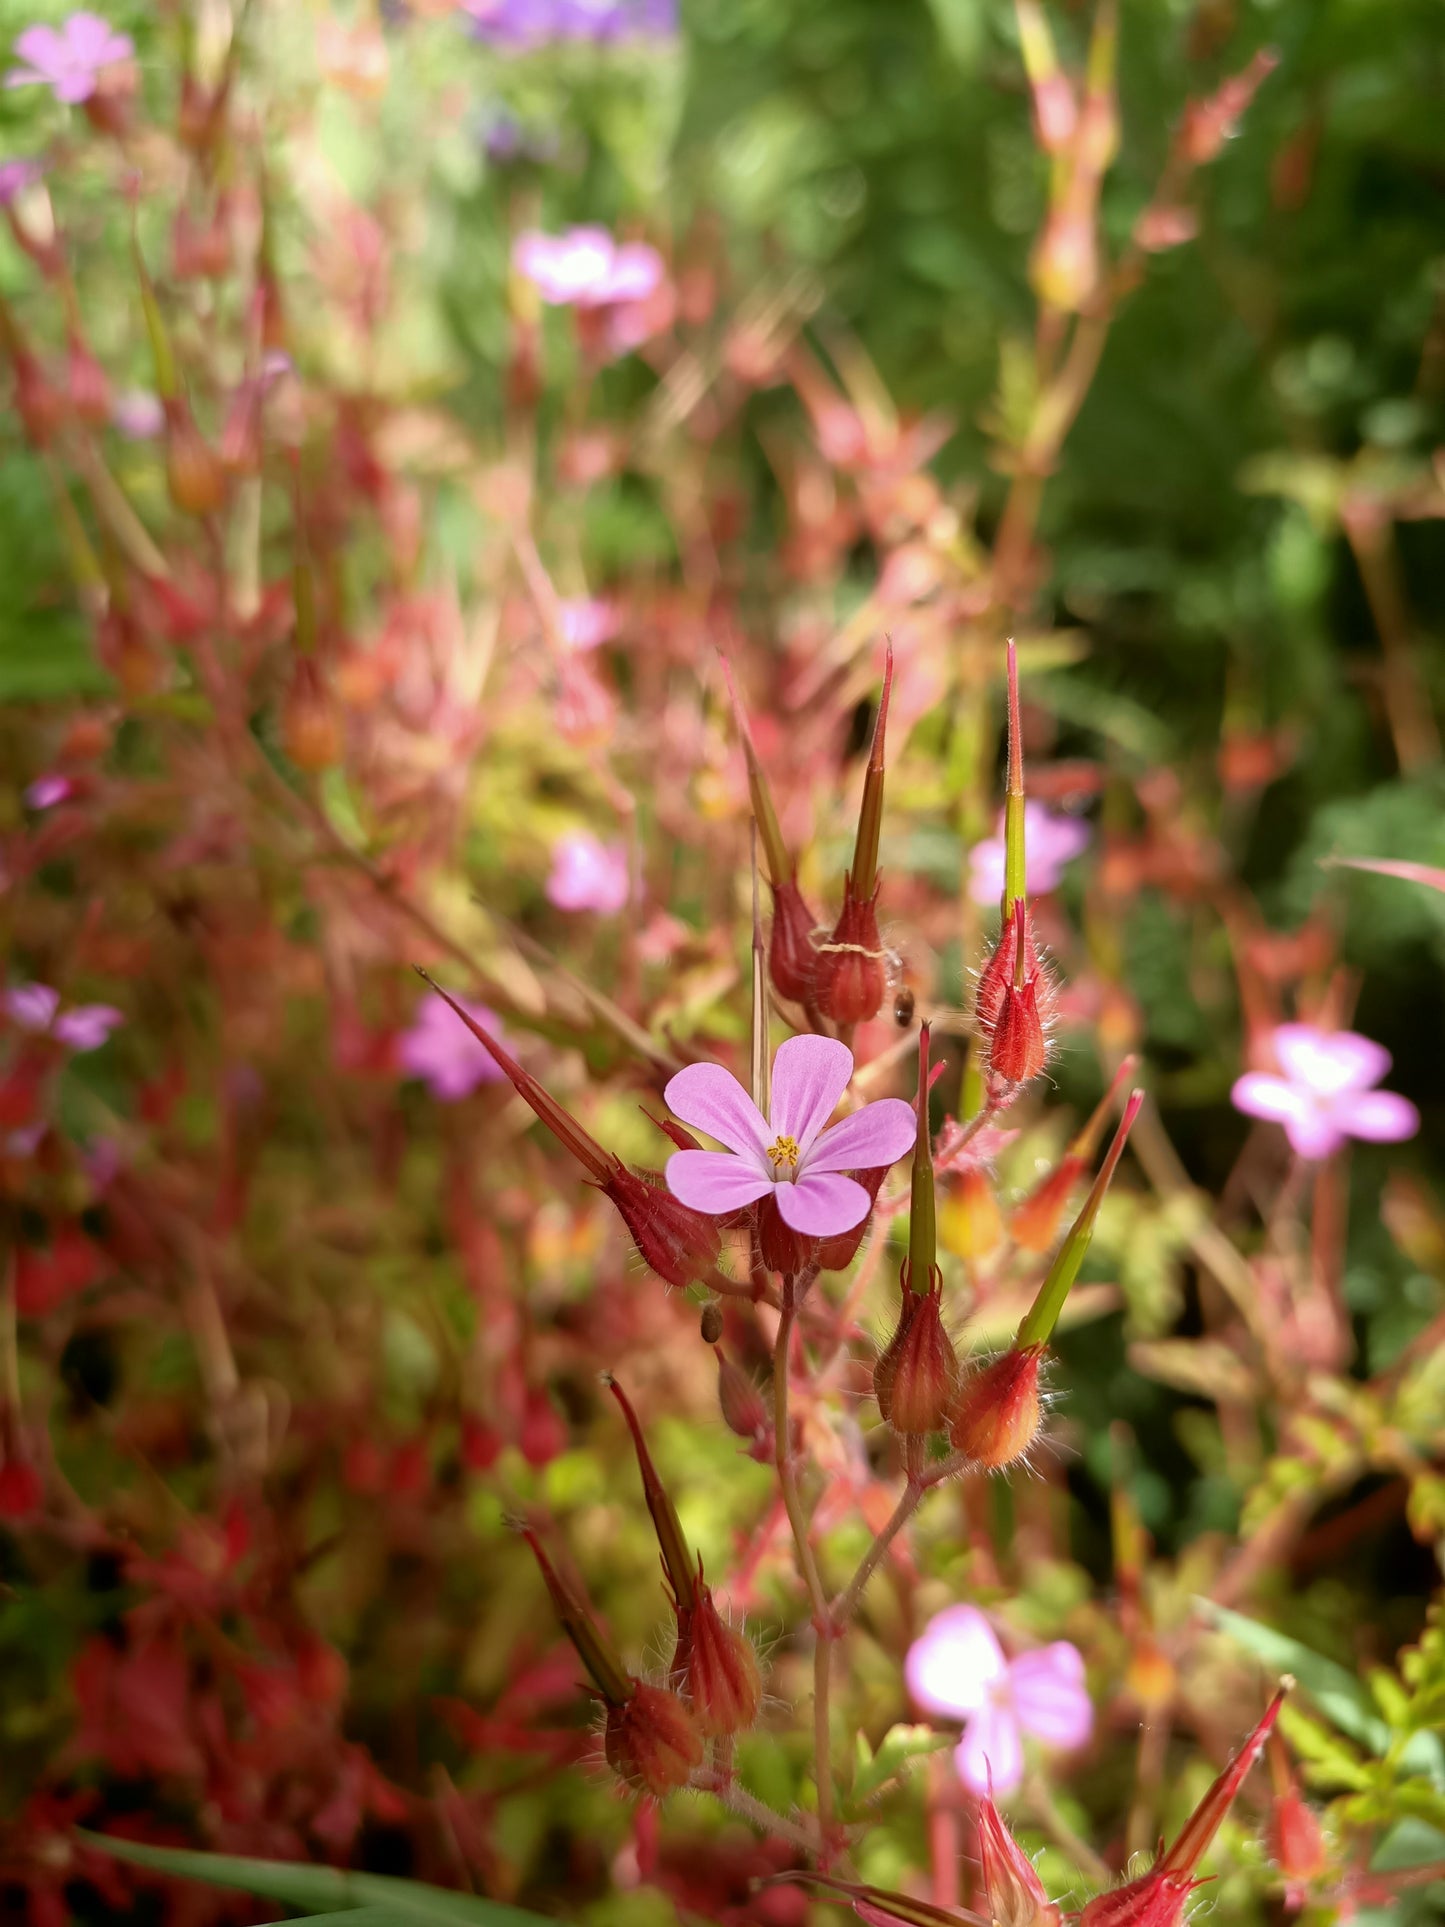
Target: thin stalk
[
  {"x": 745, "y": 1804},
  {"x": 807, "y": 1564}
]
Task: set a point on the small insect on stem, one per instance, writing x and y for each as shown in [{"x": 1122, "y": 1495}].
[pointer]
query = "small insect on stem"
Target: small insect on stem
[{"x": 904, "y": 1006}]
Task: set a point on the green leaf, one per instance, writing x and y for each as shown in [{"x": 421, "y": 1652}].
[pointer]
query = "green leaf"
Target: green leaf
[
  {"x": 377, "y": 1900},
  {"x": 899, "y": 1745},
  {"x": 1337, "y": 1693}
]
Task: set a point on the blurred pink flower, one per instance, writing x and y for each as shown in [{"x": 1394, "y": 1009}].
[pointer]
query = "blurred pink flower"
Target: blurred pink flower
[
  {"x": 46, "y": 791},
  {"x": 1325, "y": 1091},
  {"x": 956, "y": 1666},
  {"x": 138, "y": 415},
  {"x": 69, "y": 59},
  {"x": 36, "y": 1008},
  {"x": 588, "y": 874},
  {"x": 587, "y": 623},
  {"x": 443, "y": 1053},
  {"x": 1050, "y": 841},
  {"x": 789, "y": 1154},
  {"x": 586, "y": 268},
  {"x": 16, "y": 176}
]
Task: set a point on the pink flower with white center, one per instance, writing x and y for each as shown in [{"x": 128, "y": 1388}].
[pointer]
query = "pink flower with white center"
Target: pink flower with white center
[
  {"x": 70, "y": 59},
  {"x": 586, "y": 267},
  {"x": 1325, "y": 1091},
  {"x": 1050, "y": 841},
  {"x": 36, "y": 1008},
  {"x": 586, "y": 623},
  {"x": 788, "y": 1155},
  {"x": 444, "y": 1054},
  {"x": 956, "y": 1666},
  {"x": 588, "y": 874}
]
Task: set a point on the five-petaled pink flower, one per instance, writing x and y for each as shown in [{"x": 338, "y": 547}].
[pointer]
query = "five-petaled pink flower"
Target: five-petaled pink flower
[
  {"x": 586, "y": 267},
  {"x": 788, "y": 1155},
  {"x": 1050, "y": 841},
  {"x": 36, "y": 1008},
  {"x": 956, "y": 1666},
  {"x": 1325, "y": 1091},
  {"x": 443, "y": 1053},
  {"x": 69, "y": 59},
  {"x": 588, "y": 874}
]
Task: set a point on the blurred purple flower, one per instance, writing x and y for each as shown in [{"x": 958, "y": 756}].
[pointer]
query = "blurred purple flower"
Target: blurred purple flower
[
  {"x": 36, "y": 1008},
  {"x": 138, "y": 414},
  {"x": 16, "y": 176},
  {"x": 443, "y": 1053},
  {"x": 504, "y": 138},
  {"x": 788, "y": 1154},
  {"x": 586, "y": 623},
  {"x": 588, "y": 874},
  {"x": 586, "y": 267},
  {"x": 532, "y": 23},
  {"x": 46, "y": 791},
  {"x": 1325, "y": 1092},
  {"x": 69, "y": 59},
  {"x": 1050, "y": 841},
  {"x": 957, "y": 1667}
]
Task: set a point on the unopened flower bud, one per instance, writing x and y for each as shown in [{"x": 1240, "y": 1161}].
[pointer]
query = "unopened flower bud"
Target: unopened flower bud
[
  {"x": 999, "y": 1411},
  {"x": 791, "y": 956},
  {"x": 652, "y": 1741},
  {"x": 744, "y": 1408},
  {"x": 38, "y": 402},
  {"x": 1208, "y": 124},
  {"x": 720, "y": 1670},
  {"x": 679, "y": 1244},
  {"x": 1011, "y": 1885},
  {"x": 1018, "y": 1049},
  {"x": 839, "y": 1251},
  {"x": 1297, "y": 1841},
  {"x": 916, "y": 1378},
  {"x": 310, "y": 726},
  {"x": 194, "y": 475},
  {"x": 88, "y": 388},
  {"x": 1064, "y": 269}
]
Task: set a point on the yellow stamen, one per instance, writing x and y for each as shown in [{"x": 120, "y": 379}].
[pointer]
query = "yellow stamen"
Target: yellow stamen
[{"x": 784, "y": 1150}]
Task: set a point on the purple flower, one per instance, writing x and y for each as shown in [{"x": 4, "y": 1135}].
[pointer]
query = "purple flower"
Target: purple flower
[
  {"x": 586, "y": 267},
  {"x": 16, "y": 176},
  {"x": 587, "y": 623},
  {"x": 789, "y": 1154},
  {"x": 36, "y": 1008},
  {"x": 443, "y": 1053},
  {"x": 1050, "y": 841},
  {"x": 46, "y": 791},
  {"x": 1325, "y": 1091},
  {"x": 532, "y": 23},
  {"x": 956, "y": 1666},
  {"x": 69, "y": 59},
  {"x": 588, "y": 874},
  {"x": 138, "y": 414}
]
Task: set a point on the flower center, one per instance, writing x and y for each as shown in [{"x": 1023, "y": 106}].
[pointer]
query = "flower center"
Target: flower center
[{"x": 783, "y": 1151}]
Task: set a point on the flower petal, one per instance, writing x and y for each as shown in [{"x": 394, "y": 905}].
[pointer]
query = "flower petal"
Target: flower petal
[
  {"x": 1262, "y": 1094},
  {"x": 707, "y": 1096},
  {"x": 869, "y": 1140},
  {"x": 1382, "y": 1116},
  {"x": 954, "y": 1661},
  {"x": 31, "y": 1006},
  {"x": 1328, "y": 1061},
  {"x": 1049, "y": 1695},
  {"x": 716, "y": 1182},
  {"x": 990, "y": 1756},
  {"x": 810, "y": 1074},
  {"x": 87, "y": 1026},
  {"x": 821, "y": 1204}
]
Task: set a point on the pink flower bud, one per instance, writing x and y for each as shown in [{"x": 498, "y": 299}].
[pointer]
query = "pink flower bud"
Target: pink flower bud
[
  {"x": 999, "y": 1411},
  {"x": 1011, "y": 1886},
  {"x": 652, "y": 1741}
]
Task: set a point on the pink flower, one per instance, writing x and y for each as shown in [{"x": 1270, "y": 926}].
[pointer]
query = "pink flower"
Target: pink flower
[
  {"x": 36, "y": 1008},
  {"x": 789, "y": 1154},
  {"x": 46, "y": 791},
  {"x": 588, "y": 874},
  {"x": 1050, "y": 841},
  {"x": 586, "y": 268},
  {"x": 16, "y": 176},
  {"x": 587, "y": 623},
  {"x": 69, "y": 59},
  {"x": 443, "y": 1053},
  {"x": 138, "y": 415},
  {"x": 957, "y": 1667},
  {"x": 1325, "y": 1093}
]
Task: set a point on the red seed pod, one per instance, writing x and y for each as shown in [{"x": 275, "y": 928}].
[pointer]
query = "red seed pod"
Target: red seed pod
[
  {"x": 849, "y": 978},
  {"x": 916, "y": 1379},
  {"x": 652, "y": 1741},
  {"x": 744, "y": 1409},
  {"x": 680, "y": 1245},
  {"x": 838, "y": 1252},
  {"x": 542, "y": 1434},
  {"x": 1018, "y": 1050},
  {"x": 194, "y": 475},
  {"x": 38, "y": 402},
  {"x": 481, "y": 1443},
  {"x": 791, "y": 956},
  {"x": 721, "y": 1672},
  {"x": 780, "y": 1247},
  {"x": 21, "y": 1490},
  {"x": 88, "y": 388},
  {"x": 1017, "y": 998},
  {"x": 310, "y": 726},
  {"x": 998, "y": 1413},
  {"x": 1011, "y": 1885}
]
